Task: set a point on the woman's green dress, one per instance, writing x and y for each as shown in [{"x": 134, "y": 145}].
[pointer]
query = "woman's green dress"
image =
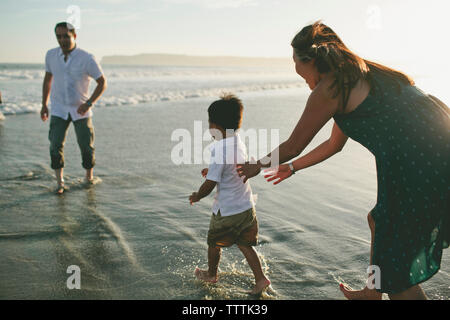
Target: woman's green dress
[{"x": 409, "y": 134}]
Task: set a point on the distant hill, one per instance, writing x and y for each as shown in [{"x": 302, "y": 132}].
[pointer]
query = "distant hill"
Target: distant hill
[{"x": 186, "y": 60}]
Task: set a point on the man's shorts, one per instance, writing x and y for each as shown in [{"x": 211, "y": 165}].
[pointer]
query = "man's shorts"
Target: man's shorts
[{"x": 240, "y": 229}]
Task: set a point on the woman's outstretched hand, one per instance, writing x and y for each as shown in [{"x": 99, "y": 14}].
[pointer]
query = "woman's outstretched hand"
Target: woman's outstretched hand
[
  {"x": 281, "y": 172},
  {"x": 248, "y": 170}
]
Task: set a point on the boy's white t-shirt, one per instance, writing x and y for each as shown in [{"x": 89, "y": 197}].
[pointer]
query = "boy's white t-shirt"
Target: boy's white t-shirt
[{"x": 232, "y": 196}]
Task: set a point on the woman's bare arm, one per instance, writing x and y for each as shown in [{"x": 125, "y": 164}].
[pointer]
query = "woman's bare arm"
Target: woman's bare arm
[
  {"x": 320, "y": 108},
  {"x": 324, "y": 151}
]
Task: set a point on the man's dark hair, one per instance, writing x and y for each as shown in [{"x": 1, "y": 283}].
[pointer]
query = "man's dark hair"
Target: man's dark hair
[
  {"x": 226, "y": 112},
  {"x": 66, "y": 25}
]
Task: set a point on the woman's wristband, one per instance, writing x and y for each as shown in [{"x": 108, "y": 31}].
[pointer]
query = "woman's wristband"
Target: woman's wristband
[{"x": 291, "y": 166}]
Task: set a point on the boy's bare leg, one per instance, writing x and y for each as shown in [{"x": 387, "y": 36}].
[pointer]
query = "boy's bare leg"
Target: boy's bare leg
[
  {"x": 366, "y": 293},
  {"x": 261, "y": 281},
  {"x": 210, "y": 275}
]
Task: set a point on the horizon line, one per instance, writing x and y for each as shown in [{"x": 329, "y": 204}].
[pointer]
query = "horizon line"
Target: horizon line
[{"x": 164, "y": 53}]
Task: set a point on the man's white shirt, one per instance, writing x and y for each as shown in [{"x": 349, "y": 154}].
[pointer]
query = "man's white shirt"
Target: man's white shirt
[{"x": 71, "y": 79}]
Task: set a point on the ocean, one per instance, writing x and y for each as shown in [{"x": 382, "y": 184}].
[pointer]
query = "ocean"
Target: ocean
[{"x": 133, "y": 234}]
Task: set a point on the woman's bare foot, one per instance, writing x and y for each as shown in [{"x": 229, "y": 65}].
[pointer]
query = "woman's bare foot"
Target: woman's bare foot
[
  {"x": 364, "y": 294},
  {"x": 204, "y": 275},
  {"x": 260, "y": 286}
]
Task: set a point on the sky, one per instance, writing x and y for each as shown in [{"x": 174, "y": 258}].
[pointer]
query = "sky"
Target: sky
[{"x": 407, "y": 34}]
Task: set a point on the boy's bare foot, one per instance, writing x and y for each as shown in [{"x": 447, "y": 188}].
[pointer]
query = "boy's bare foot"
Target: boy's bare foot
[
  {"x": 260, "y": 286},
  {"x": 204, "y": 275},
  {"x": 364, "y": 294}
]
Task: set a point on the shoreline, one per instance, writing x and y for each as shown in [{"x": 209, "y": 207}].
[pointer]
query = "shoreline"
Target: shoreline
[{"x": 132, "y": 101}]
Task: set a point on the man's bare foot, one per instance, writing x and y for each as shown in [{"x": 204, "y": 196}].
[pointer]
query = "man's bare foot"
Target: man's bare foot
[
  {"x": 260, "y": 286},
  {"x": 204, "y": 275},
  {"x": 364, "y": 294},
  {"x": 89, "y": 176},
  {"x": 60, "y": 189}
]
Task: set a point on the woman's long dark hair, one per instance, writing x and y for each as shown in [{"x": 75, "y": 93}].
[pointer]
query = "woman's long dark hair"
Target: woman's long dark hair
[{"x": 319, "y": 42}]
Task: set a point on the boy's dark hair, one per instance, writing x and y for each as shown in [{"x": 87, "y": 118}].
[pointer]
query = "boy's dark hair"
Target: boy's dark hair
[
  {"x": 66, "y": 25},
  {"x": 226, "y": 112}
]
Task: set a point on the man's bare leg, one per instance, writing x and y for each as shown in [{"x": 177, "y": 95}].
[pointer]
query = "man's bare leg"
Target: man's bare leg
[
  {"x": 60, "y": 180},
  {"x": 90, "y": 175}
]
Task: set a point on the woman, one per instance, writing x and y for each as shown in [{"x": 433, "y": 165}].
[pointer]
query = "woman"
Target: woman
[{"x": 407, "y": 132}]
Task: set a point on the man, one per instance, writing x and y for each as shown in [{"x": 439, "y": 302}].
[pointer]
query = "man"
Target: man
[{"x": 68, "y": 72}]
